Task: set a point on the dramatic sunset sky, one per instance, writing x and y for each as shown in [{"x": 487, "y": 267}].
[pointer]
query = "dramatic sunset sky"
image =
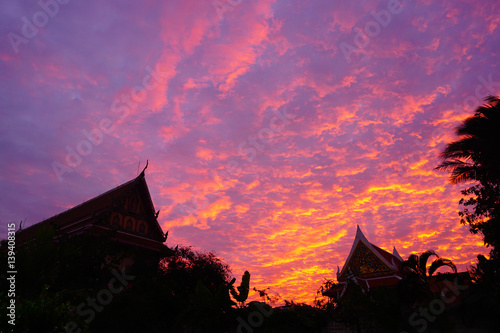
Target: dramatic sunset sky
[{"x": 272, "y": 128}]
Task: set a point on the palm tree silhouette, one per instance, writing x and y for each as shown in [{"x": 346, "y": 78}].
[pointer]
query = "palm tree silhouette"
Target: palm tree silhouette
[
  {"x": 415, "y": 287},
  {"x": 417, "y": 265},
  {"x": 475, "y": 157}
]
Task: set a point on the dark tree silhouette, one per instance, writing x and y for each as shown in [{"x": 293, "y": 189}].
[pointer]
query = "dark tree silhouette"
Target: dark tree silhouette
[
  {"x": 414, "y": 288},
  {"x": 475, "y": 157},
  {"x": 199, "y": 286},
  {"x": 188, "y": 267},
  {"x": 241, "y": 295},
  {"x": 417, "y": 264}
]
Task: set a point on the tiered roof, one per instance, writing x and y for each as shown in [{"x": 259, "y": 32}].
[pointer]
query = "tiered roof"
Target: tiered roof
[
  {"x": 369, "y": 266},
  {"x": 95, "y": 216}
]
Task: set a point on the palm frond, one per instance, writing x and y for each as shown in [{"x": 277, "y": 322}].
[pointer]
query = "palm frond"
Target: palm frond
[
  {"x": 450, "y": 165},
  {"x": 422, "y": 262},
  {"x": 412, "y": 263},
  {"x": 465, "y": 148},
  {"x": 440, "y": 262},
  {"x": 463, "y": 174}
]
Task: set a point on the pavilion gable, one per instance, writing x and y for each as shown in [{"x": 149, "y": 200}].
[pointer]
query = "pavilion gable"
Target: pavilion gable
[{"x": 366, "y": 260}]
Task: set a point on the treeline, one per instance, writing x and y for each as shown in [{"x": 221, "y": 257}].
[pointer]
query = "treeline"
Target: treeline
[{"x": 90, "y": 284}]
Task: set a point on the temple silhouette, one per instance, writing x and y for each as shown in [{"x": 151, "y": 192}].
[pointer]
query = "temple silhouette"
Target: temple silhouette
[
  {"x": 368, "y": 266},
  {"x": 122, "y": 222}
]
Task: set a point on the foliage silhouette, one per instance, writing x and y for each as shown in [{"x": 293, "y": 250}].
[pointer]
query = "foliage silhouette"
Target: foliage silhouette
[
  {"x": 417, "y": 264},
  {"x": 243, "y": 289},
  {"x": 474, "y": 157}
]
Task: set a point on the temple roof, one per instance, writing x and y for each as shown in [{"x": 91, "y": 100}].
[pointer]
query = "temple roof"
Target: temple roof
[
  {"x": 377, "y": 262},
  {"x": 85, "y": 216},
  {"x": 368, "y": 266}
]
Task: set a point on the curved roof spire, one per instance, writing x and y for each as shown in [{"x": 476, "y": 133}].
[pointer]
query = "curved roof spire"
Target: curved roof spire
[
  {"x": 141, "y": 175},
  {"x": 396, "y": 254}
]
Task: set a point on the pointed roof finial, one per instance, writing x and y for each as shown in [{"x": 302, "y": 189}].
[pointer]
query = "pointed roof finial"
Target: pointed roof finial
[
  {"x": 396, "y": 254},
  {"x": 142, "y": 173},
  {"x": 359, "y": 234}
]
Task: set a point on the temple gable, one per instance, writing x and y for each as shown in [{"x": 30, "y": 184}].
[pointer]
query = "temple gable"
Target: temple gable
[
  {"x": 127, "y": 211},
  {"x": 364, "y": 263},
  {"x": 132, "y": 213}
]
